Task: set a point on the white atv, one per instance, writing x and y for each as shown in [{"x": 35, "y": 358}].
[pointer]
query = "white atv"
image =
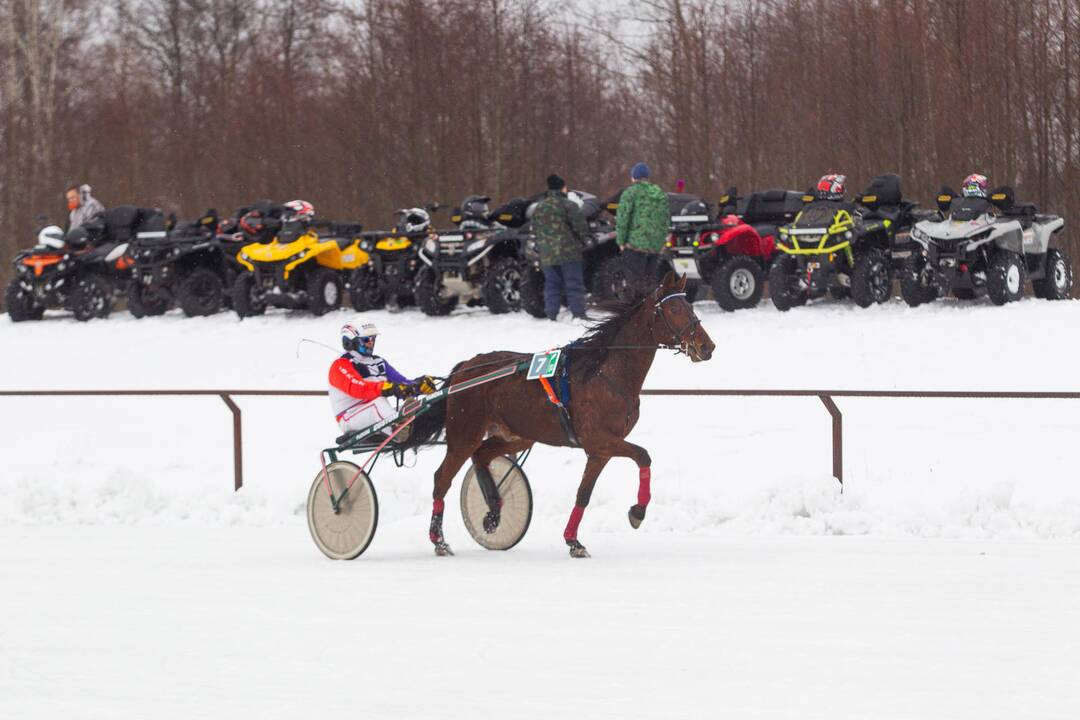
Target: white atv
[{"x": 986, "y": 246}]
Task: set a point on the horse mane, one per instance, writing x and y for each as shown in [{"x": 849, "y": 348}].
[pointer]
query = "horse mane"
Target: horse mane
[{"x": 591, "y": 349}]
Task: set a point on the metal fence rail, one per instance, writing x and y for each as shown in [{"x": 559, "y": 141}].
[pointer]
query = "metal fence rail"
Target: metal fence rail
[{"x": 825, "y": 396}]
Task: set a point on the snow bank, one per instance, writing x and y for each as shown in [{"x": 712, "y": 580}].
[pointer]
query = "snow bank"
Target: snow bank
[{"x": 721, "y": 466}]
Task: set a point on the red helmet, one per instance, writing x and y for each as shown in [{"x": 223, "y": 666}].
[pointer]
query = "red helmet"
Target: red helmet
[
  {"x": 832, "y": 187},
  {"x": 300, "y": 210},
  {"x": 976, "y": 185}
]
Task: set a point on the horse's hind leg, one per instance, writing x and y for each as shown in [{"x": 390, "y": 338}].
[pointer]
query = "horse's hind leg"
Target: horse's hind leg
[
  {"x": 458, "y": 450},
  {"x": 490, "y": 449},
  {"x": 593, "y": 468}
]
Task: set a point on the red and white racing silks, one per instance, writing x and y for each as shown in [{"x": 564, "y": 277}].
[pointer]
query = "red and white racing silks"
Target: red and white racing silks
[{"x": 356, "y": 383}]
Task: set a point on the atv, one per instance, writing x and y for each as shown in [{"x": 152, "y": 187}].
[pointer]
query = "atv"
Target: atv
[
  {"x": 613, "y": 281},
  {"x": 986, "y": 246},
  {"x": 187, "y": 265},
  {"x": 306, "y": 265},
  {"x": 843, "y": 248},
  {"x": 733, "y": 252},
  {"x": 479, "y": 262},
  {"x": 390, "y": 275},
  {"x": 598, "y": 249},
  {"x": 81, "y": 270}
]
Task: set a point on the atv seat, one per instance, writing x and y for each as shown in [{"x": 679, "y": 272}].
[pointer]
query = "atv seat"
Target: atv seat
[{"x": 777, "y": 206}]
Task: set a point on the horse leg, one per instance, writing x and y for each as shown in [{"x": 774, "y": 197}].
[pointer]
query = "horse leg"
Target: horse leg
[
  {"x": 490, "y": 449},
  {"x": 444, "y": 477},
  {"x": 640, "y": 456},
  {"x": 593, "y": 468}
]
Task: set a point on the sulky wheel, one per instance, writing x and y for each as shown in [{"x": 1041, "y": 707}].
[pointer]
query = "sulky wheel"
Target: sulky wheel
[
  {"x": 515, "y": 514},
  {"x": 346, "y": 534}
]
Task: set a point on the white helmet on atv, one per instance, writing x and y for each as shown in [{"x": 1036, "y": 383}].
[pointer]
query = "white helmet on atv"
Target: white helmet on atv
[
  {"x": 414, "y": 220},
  {"x": 300, "y": 210},
  {"x": 358, "y": 336},
  {"x": 51, "y": 236},
  {"x": 575, "y": 198}
]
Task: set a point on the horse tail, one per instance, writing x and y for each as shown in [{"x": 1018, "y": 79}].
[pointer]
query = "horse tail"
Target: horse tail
[{"x": 428, "y": 425}]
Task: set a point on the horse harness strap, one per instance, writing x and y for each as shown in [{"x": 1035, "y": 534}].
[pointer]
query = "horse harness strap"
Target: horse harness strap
[{"x": 561, "y": 406}]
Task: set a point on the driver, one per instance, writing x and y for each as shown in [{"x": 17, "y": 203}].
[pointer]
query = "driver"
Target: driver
[{"x": 361, "y": 381}]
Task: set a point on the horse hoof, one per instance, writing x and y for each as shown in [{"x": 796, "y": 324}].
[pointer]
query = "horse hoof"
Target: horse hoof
[
  {"x": 636, "y": 515},
  {"x": 491, "y": 522},
  {"x": 577, "y": 550},
  {"x": 443, "y": 550}
]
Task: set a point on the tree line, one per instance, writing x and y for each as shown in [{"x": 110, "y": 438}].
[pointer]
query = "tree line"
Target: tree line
[{"x": 362, "y": 107}]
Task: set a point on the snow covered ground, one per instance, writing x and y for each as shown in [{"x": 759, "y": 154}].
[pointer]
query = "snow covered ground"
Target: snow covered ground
[{"x": 939, "y": 584}]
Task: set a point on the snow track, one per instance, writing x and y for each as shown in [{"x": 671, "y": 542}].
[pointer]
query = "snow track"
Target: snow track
[{"x": 137, "y": 584}]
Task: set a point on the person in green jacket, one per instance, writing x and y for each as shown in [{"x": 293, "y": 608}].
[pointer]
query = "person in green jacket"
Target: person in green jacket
[
  {"x": 641, "y": 227},
  {"x": 559, "y": 230}
]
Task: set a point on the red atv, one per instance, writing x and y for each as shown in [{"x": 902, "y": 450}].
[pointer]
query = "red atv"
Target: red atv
[{"x": 732, "y": 252}]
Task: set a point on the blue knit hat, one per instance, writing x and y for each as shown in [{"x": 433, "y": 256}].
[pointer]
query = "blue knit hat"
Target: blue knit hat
[{"x": 639, "y": 171}]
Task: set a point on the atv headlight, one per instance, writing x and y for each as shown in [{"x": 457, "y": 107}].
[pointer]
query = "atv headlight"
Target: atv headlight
[
  {"x": 847, "y": 235},
  {"x": 244, "y": 256},
  {"x": 917, "y": 234},
  {"x": 431, "y": 246},
  {"x": 366, "y": 245},
  {"x": 474, "y": 246}
]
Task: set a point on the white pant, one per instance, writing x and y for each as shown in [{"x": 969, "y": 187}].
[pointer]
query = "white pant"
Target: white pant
[{"x": 367, "y": 414}]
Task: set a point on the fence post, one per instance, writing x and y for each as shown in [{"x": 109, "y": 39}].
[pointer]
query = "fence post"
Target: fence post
[
  {"x": 238, "y": 450},
  {"x": 837, "y": 439}
]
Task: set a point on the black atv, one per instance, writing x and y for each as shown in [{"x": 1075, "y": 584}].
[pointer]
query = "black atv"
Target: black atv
[
  {"x": 79, "y": 271},
  {"x": 187, "y": 265},
  {"x": 613, "y": 281},
  {"x": 598, "y": 250},
  {"x": 478, "y": 262},
  {"x": 394, "y": 263},
  {"x": 843, "y": 248}
]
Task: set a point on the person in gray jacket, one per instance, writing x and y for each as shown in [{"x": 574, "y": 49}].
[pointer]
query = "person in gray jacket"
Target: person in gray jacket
[{"x": 82, "y": 206}]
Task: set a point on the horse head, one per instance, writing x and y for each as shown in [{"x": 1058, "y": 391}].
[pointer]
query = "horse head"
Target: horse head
[{"x": 675, "y": 324}]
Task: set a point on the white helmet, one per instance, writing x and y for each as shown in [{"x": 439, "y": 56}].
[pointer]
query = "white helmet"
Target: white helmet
[
  {"x": 51, "y": 236},
  {"x": 575, "y": 198},
  {"x": 354, "y": 332},
  {"x": 414, "y": 220}
]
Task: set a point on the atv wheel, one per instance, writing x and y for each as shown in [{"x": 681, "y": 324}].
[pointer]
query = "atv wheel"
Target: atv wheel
[
  {"x": 365, "y": 292},
  {"x": 91, "y": 298},
  {"x": 246, "y": 299},
  {"x": 1057, "y": 285},
  {"x": 912, "y": 289},
  {"x": 323, "y": 290},
  {"x": 737, "y": 284},
  {"x": 20, "y": 303},
  {"x": 429, "y": 294},
  {"x": 143, "y": 301},
  {"x": 201, "y": 293},
  {"x": 1005, "y": 278},
  {"x": 783, "y": 284},
  {"x": 840, "y": 292},
  {"x": 870, "y": 281},
  {"x": 612, "y": 280},
  {"x": 532, "y": 293},
  {"x": 502, "y": 286}
]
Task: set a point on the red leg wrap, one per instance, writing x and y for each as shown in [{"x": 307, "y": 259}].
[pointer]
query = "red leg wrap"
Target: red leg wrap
[
  {"x": 572, "y": 524},
  {"x": 643, "y": 495},
  {"x": 437, "y": 507}
]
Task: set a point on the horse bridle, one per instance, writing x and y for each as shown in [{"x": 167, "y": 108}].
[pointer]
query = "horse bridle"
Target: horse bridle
[{"x": 682, "y": 336}]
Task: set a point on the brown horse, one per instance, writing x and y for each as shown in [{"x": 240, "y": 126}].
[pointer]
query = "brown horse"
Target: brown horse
[{"x": 607, "y": 365}]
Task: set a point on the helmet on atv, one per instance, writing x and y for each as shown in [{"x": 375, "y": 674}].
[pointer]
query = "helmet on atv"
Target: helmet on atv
[
  {"x": 475, "y": 207},
  {"x": 976, "y": 186},
  {"x": 358, "y": 336},
  {"x": 575, "y": 198},
  {"x": 832, "y": 187},
  {"x": 414, "y": 220},
  {"x": 299, "y": 210},
  {"x": 51, "y": 237}
]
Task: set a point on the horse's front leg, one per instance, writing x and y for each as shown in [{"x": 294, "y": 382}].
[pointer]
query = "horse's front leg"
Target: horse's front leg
[
  {"x": 593, "y": 468},
  {"x": 641, "y": 457}
]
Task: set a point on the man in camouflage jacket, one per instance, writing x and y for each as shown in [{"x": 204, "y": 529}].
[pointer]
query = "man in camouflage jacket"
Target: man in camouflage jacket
[
  {"x": 642, "y": 223},
  {"x": 559, "y": 230}
]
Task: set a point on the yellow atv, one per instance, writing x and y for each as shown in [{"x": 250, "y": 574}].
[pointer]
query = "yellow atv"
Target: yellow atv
[{"x": 306, "y": 265}]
